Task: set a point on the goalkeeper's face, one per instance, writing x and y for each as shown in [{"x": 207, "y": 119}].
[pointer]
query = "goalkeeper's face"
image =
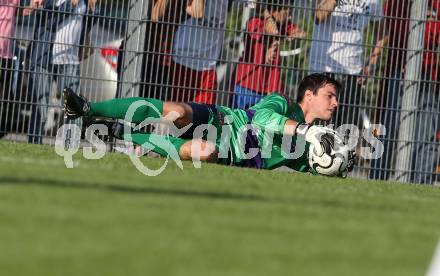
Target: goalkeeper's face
[{"x": 324, "y": 102}]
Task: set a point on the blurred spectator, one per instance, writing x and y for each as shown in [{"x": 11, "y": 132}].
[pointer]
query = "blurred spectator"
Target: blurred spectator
[
  {"x": 7, "y": 22},
  {"x": 158, "y": 43},
  {"x": 8, "y": 10},
  {"x": 196, "y": 48},
  {"x": 337, "y": 48},
  {"x": 258, "y": 72},
  {"x": 425, "y": 148},
  {"x": 54, "y": 55}
]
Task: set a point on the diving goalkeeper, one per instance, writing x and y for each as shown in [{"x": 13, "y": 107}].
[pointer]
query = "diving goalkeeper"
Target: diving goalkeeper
[{"x": 261, "y": 128}]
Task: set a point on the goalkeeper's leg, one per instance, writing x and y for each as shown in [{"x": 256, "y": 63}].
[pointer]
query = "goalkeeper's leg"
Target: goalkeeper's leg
[
  {"x": 164, "y": 145},
  {"x": 195, "y": 149},
  {"x": 181, "y": 114}
]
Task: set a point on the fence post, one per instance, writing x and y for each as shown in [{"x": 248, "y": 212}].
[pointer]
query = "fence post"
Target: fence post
[
  {"x": 414, "y": 58},
  {"x": 134, "y": 47}
]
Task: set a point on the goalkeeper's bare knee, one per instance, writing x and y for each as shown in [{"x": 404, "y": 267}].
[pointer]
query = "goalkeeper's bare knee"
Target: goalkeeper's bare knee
[
  {"x": 200, "y": 150},
  {"x": 178, "y": 113}
]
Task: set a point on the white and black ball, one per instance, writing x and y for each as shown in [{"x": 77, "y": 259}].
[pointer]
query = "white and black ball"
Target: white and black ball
[{"x": 337, "y": 157}]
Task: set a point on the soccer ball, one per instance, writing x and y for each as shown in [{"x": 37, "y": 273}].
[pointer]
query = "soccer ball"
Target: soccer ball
[{"x": 337, "y": 159}]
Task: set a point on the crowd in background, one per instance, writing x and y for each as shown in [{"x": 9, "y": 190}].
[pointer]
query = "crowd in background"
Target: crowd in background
[{"x": 184, "y": 44}]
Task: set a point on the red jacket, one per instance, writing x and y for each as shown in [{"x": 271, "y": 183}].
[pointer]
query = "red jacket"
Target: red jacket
[{"x": 252, "y": 71}]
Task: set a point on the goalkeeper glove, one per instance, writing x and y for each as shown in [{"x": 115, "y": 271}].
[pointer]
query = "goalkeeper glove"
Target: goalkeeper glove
[{"x": 313, "y": 134}]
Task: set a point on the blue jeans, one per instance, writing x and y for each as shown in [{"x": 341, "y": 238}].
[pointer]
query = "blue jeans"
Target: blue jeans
[
  {"x": 245, "y": 98},
  {"x": 426, "y": 122},
  {"x": 391, "y": 100},
  {"x": 425, "y": 149},
  {"x": 66, "y": 75}
]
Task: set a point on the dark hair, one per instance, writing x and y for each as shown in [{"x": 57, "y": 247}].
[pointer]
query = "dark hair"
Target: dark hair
[
  {"x": 276, "y": 5},
  {"x": 313, "y": 82}
]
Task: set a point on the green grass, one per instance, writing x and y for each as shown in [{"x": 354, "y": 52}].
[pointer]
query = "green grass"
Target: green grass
[{"x": 105, "y": 218}]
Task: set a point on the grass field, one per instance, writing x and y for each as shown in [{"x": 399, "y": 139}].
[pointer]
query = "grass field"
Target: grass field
[{"x": 105, "y": 218}]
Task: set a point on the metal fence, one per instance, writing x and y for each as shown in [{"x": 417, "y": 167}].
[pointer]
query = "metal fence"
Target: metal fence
[{"x": 232, "y": 53}]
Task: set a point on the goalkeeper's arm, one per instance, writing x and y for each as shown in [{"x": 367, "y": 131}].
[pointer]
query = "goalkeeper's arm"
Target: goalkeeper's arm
[{"x": 277, "y": 123}]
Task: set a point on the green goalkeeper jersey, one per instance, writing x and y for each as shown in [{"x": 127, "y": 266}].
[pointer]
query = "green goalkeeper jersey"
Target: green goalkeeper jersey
[{"x": 266, "y": 120}]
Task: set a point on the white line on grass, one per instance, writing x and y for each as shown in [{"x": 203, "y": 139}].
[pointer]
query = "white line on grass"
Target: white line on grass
[{"x": 434, "y": 268}]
